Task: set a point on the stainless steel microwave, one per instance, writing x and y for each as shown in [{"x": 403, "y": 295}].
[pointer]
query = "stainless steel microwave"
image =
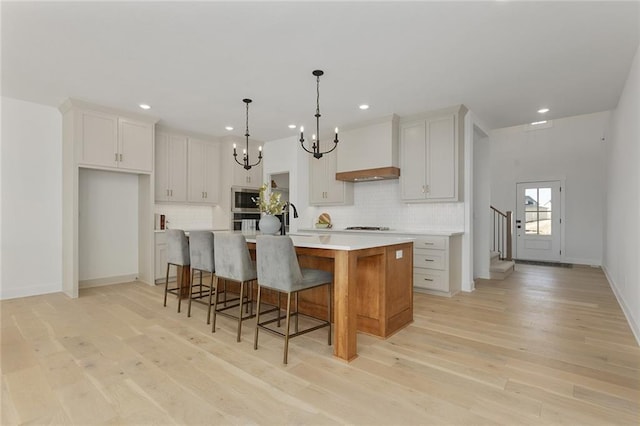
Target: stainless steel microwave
[{"x": 242, "y": 199}]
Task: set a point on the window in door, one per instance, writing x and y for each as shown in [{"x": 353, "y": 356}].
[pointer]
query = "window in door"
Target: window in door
[{"x": 537, "y": 206}]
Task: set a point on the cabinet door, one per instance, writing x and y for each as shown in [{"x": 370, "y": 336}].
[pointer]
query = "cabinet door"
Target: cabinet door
[
  {"x": 254, "y": 176},
  {"x": 212, "y": 173},
  {"x": 135, "y": 145},
  {"x": 170, "y": 168},
  {"x": 334, "y": 189},
  {"x": 317, "y": 185},
  {"x": 98, "y": 139},
  {"x": 162, "y": 185},
  {"x": 196, "y": 166},
  {"x": 178, "y": 168},
  {"x": 204, "y": 171},
  {"x": 412, "y": 160},
  {"x": 441, "y": 159}
]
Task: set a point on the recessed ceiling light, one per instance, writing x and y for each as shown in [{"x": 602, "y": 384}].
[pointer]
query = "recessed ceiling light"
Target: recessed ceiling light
[
  {"x": 535, "y": 123},
  {"x": 543, "y": 110},
  {"x": 364, "y": 106},
  {"x": 145, "y": 106},
  {"x": 228, "y": 128},
  {"x": 292, "y": 126}
]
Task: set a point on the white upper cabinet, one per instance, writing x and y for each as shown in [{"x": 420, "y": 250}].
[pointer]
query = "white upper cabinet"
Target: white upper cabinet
[
  {"x": 204, "y": 172},
  {"x": 112, "y": 141},
  {"x": 171, "y": 168},
  {"x": 97, "y": 135},
  {"x": 135, "y": 145},
  {"x": 430, "y": 156},
  {"x": 324, "y": 189},
  {"x": 249, "y": 178}
]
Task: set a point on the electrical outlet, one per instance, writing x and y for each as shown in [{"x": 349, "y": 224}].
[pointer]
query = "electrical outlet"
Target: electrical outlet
[{"x": 398, "y": 254}]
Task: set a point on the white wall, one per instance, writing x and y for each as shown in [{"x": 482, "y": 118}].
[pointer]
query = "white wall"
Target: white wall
[
  {"x": 481, "y": 202},
  {"x": 622, "y": 213},
  {"x": 31, "y": 186},
  {"x": 571, "y": 149},
  {"x": 285, "y": 155},
  {"x": 107, "y": 224}
]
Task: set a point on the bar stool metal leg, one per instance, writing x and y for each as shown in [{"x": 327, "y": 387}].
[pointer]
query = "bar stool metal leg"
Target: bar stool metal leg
[
  {"x": 255, "y": 338},
  {"x": 286, "y": 336}
]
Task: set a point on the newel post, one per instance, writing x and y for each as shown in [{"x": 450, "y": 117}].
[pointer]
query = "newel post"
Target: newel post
[{"x": 509, "y": 235}]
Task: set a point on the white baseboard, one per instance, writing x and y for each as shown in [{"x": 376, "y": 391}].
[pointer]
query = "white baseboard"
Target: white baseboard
[
  {"x": 98, "y": 282},
  {"x": 26, "y": 291},
  {"x": 635, "y": 327},
  {"x": 578, "y": 261}
]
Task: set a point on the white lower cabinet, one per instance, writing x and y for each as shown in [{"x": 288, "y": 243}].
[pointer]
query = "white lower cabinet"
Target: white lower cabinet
[
  {"x": 161, "y": 258},
  {"x": 437, "y": 264}
]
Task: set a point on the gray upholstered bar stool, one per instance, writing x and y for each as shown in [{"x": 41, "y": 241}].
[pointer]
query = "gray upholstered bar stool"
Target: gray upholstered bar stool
[
  {"x": 201, "y": 249},
  {"x": 233, "y": 262},
  {"x": 279, "y": 270},
  {"x": 177, "y": 255}
]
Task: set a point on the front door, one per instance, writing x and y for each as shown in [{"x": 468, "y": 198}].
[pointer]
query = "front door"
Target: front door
[{"x": 538, "y": 221}]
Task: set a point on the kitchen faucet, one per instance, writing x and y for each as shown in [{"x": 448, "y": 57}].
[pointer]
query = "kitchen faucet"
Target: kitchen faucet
[{"x": 285, "y": 213}]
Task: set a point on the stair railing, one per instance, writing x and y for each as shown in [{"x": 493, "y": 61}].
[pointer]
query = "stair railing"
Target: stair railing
[{"x": 502, "y": 231}]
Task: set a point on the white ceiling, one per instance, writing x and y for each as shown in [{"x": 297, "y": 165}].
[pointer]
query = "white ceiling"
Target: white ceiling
[{"x": 195, "y": 62}]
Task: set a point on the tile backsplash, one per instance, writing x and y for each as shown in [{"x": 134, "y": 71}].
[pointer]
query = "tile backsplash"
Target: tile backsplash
[
  {"x": 182, "y": 216},
  {"x": 378, "y": 204}
]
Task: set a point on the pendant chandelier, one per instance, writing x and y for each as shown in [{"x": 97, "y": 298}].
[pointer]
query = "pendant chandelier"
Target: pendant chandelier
[
  {"x": 246, "y": 163},
  {"x": 316, "y": 151}
]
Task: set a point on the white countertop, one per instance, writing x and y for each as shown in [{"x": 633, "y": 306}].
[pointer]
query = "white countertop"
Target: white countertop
[
  {"x": 195, "y": 229},
  {"x": 340, "y": 241},
  {"x": 390, "y": 232}
]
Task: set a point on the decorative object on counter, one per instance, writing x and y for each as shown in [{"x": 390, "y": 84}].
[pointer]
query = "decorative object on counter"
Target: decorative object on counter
[
  {"x": 245, "y": 158},
  {"x": 159, "y": 221},
  {"x": 271, "y": 205},
  {"x": 317, "y": 153},
  {"x": 269, "y": 224},
  {"x": 324, "y": 221}
]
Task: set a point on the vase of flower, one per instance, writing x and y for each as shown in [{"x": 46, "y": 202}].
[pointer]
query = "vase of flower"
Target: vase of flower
[
  {"x": 270, "y": 205},
  {"x": 269, "y": 224}
]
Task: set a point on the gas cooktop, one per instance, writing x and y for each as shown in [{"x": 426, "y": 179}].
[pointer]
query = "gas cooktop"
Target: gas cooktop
[{"x": 367, "y": 228}]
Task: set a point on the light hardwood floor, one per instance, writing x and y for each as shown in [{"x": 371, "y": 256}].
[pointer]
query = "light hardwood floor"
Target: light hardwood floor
[{"x": 546, "y": 346}]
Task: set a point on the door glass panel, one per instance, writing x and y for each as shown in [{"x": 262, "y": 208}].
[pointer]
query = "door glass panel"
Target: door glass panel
[
  {"x": 537, "y": 204},
  {"x": 530, "y": 197},
  {"x": 531, "y": 225},
  {"x": 544, "y": 222}
]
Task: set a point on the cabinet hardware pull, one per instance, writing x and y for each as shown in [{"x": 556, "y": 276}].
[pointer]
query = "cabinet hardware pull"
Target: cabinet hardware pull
[
  {"x": 428, "y": 279},
  {"x": 120, "y": 157},
  {"x": 206, "y": 194},
  {"x": 116, "y": 154},
  {"x": 429, "y": 244},
  {"x": 429, "y": 260}
]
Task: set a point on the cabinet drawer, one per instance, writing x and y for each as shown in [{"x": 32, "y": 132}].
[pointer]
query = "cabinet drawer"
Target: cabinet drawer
[
  {"x": 432, "y": 259},
  {"x": 431, "y": 280},
  {"x": 437, "y": 243}
]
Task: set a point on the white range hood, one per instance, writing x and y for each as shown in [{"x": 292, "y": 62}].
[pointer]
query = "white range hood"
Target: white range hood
[{"x": 369, "y": 151}]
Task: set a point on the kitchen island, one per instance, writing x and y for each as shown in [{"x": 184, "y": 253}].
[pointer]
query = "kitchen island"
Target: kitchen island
[{"x": 372, "y": 287}]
